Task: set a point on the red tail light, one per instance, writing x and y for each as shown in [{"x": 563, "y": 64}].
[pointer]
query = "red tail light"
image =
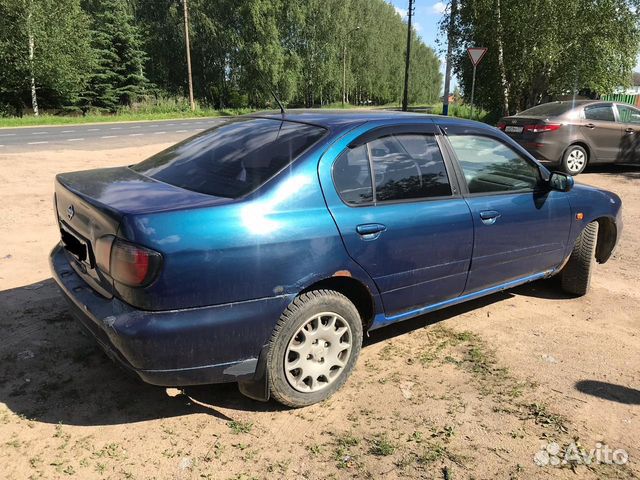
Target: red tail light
[
  {"x": 549, "y": 127},
  {"x": 127, "y": 263},
  {"x": 501, "y": 125}
]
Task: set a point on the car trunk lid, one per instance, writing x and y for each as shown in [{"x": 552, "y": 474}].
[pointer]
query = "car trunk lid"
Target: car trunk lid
[{"x": 91, "y": 205}]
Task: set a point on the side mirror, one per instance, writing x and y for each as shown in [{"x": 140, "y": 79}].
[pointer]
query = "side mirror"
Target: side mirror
[{"x": 560, "y": 182}]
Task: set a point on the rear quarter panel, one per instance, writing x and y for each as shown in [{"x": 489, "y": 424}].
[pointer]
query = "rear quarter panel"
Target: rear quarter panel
[{"x": 273, "y": 243}]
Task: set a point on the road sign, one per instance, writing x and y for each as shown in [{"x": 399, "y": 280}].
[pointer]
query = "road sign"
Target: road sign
[{"x": 476, "y": 54}]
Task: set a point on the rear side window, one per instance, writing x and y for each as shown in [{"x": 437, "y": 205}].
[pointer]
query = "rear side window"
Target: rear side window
[
  {"x": 405, "y": 167},
  {"x": 489, "y": 166},
  {"x": 600, "y": 113},
  {"x": 352, "y": 176},
  {"x": 232, "y": 159}
]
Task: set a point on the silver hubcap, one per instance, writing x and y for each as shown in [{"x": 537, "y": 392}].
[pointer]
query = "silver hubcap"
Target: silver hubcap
[
  {"x": 576, "y": 160},
  {"x": 318, "y": 352}
]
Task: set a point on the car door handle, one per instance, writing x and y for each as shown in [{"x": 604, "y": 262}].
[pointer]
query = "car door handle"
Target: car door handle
[
  {"x": 590, "y": 125},
  {"x": 629, "y": 130},
  {"x": 489, "y": 217},
  {"x": 370, "y": 231}
]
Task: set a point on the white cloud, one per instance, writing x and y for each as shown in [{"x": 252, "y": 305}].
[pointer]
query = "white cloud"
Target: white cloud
[
  {"x": 439, "y": 7},
  {"x": 401, "y": 11},
  {"x": 417, "y": 26}
]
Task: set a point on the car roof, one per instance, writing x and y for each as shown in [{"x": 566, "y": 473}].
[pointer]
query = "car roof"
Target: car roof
[{"x": 341, "y": 118}]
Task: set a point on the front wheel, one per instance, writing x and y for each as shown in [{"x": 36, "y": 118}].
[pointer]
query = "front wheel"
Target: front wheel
[
  {"x": 574, "y": 160},
  {"x": 313, "y": 348},
  {"x": 576, "y": 274}
]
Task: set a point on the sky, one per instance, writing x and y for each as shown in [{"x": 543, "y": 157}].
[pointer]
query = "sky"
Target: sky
[{"x": 427, "y": 16}]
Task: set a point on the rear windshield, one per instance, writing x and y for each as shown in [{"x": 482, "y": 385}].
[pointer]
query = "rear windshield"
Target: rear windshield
[
  {"x": 232, "y": 159},
  {"x": 547, "y": 110}
]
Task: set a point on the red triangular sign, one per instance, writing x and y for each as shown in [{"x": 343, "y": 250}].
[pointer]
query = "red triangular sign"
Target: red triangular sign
[{"x": 476, "y": 54}]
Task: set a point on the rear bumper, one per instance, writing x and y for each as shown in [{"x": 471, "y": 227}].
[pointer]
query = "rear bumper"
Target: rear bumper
[
  {"x": 195, "y": 346},
  {"x": 543, "y": 149}
]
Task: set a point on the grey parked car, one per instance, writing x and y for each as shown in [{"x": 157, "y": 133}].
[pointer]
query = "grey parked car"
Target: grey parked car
[{"x": 574, "y": 134}]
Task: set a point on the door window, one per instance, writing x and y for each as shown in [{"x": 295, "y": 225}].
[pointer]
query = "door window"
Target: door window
[
  {"x": 405, "y": 166},
  {"x": 490, "y": 166},
  {"x": 408, "y": 166},
  {"x": 629, "y": 114},
  {"x": 601, "y": 113}
]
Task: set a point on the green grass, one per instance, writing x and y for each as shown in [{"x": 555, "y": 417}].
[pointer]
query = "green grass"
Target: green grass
[
  {"x": 463, "y": 111},
  {"x": 238, "y": 427},
  {"x": 31, "y": 121},
  {"x": 169, "y": 109}
]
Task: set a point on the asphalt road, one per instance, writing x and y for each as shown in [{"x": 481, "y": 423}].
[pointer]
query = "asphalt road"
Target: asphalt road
[{"x": 101, "y": 136}]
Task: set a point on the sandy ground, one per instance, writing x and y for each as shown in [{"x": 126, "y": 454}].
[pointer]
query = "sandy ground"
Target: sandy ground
[{"x": 474, "y": 391}]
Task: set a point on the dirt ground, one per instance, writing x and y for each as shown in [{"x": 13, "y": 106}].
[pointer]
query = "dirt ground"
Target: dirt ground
[{"x": 474, "y": 391}]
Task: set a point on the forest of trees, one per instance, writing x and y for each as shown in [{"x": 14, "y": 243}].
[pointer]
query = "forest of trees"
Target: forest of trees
[
  {"x": 101, "y": 55},
  {"x": 544, "y": 50}
]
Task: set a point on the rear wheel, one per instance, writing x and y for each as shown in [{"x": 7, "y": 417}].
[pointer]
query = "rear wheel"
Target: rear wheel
[
  {"x": 313, "y": 348},
  {"x": 576, "y": 274},
  {"x": 574, "y": 160}
]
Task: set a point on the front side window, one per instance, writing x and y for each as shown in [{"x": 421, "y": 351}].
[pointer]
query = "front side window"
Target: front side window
[
  {"x": 489, "y": 166},
  {"x": 601, "y": 113},
  {"x": 232, "y": 159},
  {"x": 629, "y": 114},
  {"x": 405, "y": 167}
]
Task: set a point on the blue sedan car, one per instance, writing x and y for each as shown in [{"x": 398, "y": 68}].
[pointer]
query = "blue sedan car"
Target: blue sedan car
[{"x": 261, "y": 250}]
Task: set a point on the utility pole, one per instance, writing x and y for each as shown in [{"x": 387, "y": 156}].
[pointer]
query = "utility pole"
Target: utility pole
[
  {"x": 447, "y": 75},
  {"x": 186, "y": 41},
  {"x": 344, "y": 64},
  {"x": 405, "y": 97}
]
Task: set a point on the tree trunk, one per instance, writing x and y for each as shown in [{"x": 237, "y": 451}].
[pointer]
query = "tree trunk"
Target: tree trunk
[
  {"x": 34, "y": 96},
  {"x": 504, "y": 86}
]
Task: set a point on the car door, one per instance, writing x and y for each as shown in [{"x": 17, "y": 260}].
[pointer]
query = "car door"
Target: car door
[
  {"x": 400, "y": 216},
  {"x": 602, "y": 132},
  {"x": 629, "y": 118},
  {"x": 520, "y": 228}
]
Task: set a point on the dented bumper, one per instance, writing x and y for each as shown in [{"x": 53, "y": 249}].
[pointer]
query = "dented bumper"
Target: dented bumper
[{"x": 214, "y": 344}]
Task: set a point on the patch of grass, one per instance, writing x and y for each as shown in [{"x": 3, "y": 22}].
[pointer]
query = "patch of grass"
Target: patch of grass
[
  {"x": 433, "y": 452},
  {"x": 123, "y": 116},
  {"x": 238, "y": 427},
  {"x": 541, "y": 415},
  {"x": 343, "y": 456},
  {"x": 347, "y": 440},
  {"x": 315, "y": 449},
  {"x": 381, "y": 446},
  {"x": 111, "y": 450},
  {"x": 445, "y": 433}
]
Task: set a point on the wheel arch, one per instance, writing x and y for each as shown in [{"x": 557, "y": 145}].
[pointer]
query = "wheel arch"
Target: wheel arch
[{"x": 355, "y": 290}]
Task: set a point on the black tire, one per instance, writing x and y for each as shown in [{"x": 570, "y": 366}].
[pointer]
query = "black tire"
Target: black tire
[
  {"x": 574, "y": 160},
  {"x": 576, "y": 274},
  {"x": 297, "y": 315}
]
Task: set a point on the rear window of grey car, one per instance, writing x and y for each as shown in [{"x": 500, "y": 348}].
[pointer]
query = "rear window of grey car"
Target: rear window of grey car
[
  {"x": 232, "y": 159},
  {"x": 547, "y": 110}
]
